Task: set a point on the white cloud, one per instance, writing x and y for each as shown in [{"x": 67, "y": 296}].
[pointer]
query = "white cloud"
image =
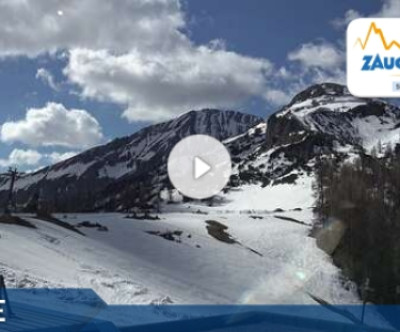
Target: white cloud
[
  {"x": 31, "y": 27},
  {"x": 20, "y": 157},
  {"x": 277, "y": 96},
  {"x": 56, "y": 157},
  {"x": 32, "y": 158},
  {"x": 25, "y": 159},
  {"x": 322, "y": 55},
  {"x": 326, "y": 62},
  {"x": 390, "y": 8},
  {"x": 337, "y": 75},
  {"x": 287, "y": 82},
  {"x": 133, "y": 53},
  {"x": 54, "y": 125},
  {"x": 45, "y": 76},
  {"x": 159, "y": 86},
  {"x": 285, "y": 88},
  {"x": 342, "y": 22},
  {"x": 137, "y": 54}
]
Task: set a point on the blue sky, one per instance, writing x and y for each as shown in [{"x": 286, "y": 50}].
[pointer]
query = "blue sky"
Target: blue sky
[{"x": 75, "y": 74}]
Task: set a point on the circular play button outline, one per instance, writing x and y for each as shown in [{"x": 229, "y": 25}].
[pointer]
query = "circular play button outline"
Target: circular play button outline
[{"x": 199, "y": 166}]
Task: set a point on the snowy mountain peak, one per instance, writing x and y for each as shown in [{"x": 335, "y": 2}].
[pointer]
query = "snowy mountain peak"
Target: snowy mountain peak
[
  {"x": 326, "y": 97},
  {"x": 100, "y": 177},
  {"x": 318, "y": 90},
  {"x": 330, "y": 110},
  {"x": 323, "y": 119}
]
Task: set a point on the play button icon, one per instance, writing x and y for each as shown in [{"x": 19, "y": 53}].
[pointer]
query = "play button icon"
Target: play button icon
[{"x": 199, "y": 166}]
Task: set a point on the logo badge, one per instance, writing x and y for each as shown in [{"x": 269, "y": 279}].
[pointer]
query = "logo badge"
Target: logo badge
[{"x": 373, "y": 57}]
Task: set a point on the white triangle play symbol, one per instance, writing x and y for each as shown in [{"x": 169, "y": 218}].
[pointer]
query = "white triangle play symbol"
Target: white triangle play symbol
[{"x": 200, "y": 168}]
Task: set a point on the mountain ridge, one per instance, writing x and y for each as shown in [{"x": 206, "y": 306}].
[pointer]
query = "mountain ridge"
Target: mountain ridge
[
  {"x": 322, "y": 119},
  {"x": 128, "y": 157}
]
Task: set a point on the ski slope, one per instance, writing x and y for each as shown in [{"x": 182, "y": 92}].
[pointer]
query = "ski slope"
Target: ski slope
[{"x": 270, "y": 260}]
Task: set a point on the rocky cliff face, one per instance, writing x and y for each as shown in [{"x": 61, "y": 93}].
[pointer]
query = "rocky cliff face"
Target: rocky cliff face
[
  {"x": 96, "y": 179},
  {"x": 329, "y": 109},
  {"x": 323, "y": 119}
]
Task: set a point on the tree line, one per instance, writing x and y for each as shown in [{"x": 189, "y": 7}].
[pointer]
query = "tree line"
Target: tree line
[{"x": 364, "y": 194}]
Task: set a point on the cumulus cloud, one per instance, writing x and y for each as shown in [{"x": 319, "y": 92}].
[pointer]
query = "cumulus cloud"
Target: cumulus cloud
[
  {"x": 390, "y": 8},
  {"x": 324, "y": 62},
  {"x": 342, "y": 22},
  {"x": 32, "y": 158},
  {"x": 19, "y": 157},
  {"x": 277, "y": 96},
  {"x": 56, "y": 157},
  {"x": 138, "y": 54},
  {"x": 336, "y": 75},
  {"x": 322, "y": 55},
  {"x": 159, "y": 86},
  {"x": 298, "y": 79},
  {"x": 311, "y": 63},
  {"x": 133, "y": 53},
  {"x": 31, "y": 27},
  {"x": 54, "y": 125},
  {"x": 45, "y": 76}
]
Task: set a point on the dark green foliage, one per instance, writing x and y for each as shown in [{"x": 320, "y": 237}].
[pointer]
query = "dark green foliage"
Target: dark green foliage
[{"x": 365, "y": 195}]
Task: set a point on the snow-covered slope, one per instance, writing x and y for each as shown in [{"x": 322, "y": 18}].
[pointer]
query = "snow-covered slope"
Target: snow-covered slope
[
  {"x": 133, "y": 263},
  {"x": 265, "y": 255},
  {"x": 330, "y": 110},
  {"x": 94, "y": 179},
  {"x": 322, "y": 120}
]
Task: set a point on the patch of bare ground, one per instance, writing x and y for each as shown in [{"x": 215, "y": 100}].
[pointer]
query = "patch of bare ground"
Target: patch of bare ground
[{"x": 14, "y": 220}]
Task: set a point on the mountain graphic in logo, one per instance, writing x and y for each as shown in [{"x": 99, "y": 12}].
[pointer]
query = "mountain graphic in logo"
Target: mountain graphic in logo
[{"x": 374, "y": 29}]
